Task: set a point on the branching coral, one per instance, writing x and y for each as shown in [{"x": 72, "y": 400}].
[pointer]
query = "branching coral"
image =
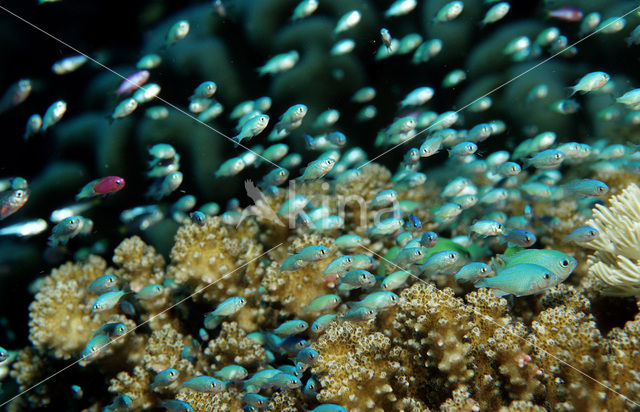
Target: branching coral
[
  {"x": 354, "y": 367},
  {"x": 161, "y": 351},
  {"x": 204, "y": 255},
  {"x": 139, "y": 262},
  {"x": 293, "y": 290},
  {"x": 28, "y": 369},
  {"x": 623, "y": 359},
  {"x": 232, "y": 346},
  {"x": 568, "y": 349},
  {"x": 61, "y": 319},
  {"x": 616, "y": 261}
]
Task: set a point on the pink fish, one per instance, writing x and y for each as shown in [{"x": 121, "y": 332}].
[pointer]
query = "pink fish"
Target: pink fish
[
  {"x": 132, "y": 82},
  {"x": 566, "y": 13},
  {"x": 104, "y": 186},
  {"x": 108, "y": 184},
  {"x": 11, "y": 201}
]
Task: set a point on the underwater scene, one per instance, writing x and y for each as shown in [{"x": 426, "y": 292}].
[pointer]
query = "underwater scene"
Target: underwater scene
[{"x": 320, "y": 205}]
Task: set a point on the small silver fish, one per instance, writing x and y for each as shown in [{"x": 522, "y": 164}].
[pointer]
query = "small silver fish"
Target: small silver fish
[
  {"x": 400, "y": 8},
  {"x": 34, "y": 123},
  {"x": 65, "y": 230},
  {"x": 94, "y": 347},
  {"x": 68, "y": 64},
  {"x": 124, "y": 108},
  {"x": 15, "y": 94},
  {"x": 165, "y": 378},
  {"x": 25, "y": 229},
  {"x": 280, "y": 63},
  {"x": 177, "y": 32},
  {"x": 449, "y": 12},
  {"x": 53, "y": 114},
  {"x": 106, "y": 301},
  {"x": 496, "y": 12},
  {"x": 304, "y": 9},
  {"x": 472, "y": 272},
  {"x": 230, "y": 167},
  {"x": 205, "y": 384},
  {"x": 251, "y": 128},
  {"x": 164, "y": 187},
  {"x": 582, "y": 234},
  {"x": 347, "y": 21},
  {"x": 317, "y": 169}
]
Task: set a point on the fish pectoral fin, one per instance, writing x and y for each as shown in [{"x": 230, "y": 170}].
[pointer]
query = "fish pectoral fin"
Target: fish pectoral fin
[{"x": 499, "y": 293}]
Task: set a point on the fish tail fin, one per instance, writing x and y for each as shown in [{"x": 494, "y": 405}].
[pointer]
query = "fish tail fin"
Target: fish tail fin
[{"x": 309, "y": 141}]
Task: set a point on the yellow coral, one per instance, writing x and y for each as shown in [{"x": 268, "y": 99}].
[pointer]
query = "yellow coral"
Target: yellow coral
[
  {"x": 354, "y": 368},
  {"x": 232, "y": 346},
  {"x": 161, "y": 351},
  {"x": 227, "y": 400},
  {"x": 205, "y": 254},
  {"x": 61, "y": 319},
  {"x": 567, "y": 345},
  {"x": 28, "y": 370},
  {"x": 293, "y": 290},
  {"x": 139, "y": 262}
]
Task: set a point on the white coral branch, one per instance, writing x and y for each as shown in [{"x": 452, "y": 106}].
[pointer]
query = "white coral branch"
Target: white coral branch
[{"x": 617, "y": 259}]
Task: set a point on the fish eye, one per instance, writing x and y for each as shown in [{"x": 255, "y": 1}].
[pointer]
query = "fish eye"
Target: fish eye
[
  {"x": 363, "y": 276},
  {"x": 212, "y": 384},
  {"x": 564, "y": 263},
  {"x": 546, "y": 276}
]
